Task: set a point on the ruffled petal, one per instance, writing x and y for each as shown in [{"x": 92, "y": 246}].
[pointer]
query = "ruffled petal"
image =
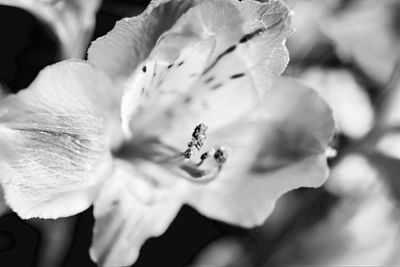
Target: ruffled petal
[
  {"x": 54, "y": 141},
  {"x": 130, "y": 209},
  {"x": 281, "y": 148},
  {"x": 120, "y": 51},
  {"x": 243, "y": 44}
]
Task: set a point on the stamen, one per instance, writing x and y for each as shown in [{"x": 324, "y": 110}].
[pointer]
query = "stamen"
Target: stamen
[
  {"x": 198, "y": 139},
  {"x": 205, "y": 156},
  {"x": 197, "y": 175},
  {"x": 221, "y": 155},
  {"x": 184, "y": 166}
]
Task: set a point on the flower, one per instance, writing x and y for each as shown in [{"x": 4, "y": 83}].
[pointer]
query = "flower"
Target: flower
[
  {"x": 199, "y": 123},
  {"x": 367, "y": 32},
  {"x": 71, "y": 21},
  {"x": 350, "y": 103}
]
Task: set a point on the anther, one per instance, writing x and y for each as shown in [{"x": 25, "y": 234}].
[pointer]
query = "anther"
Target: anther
[
  {"x": 205, "y": 156},
  {"x": 199, "y": 131},
  {"x": 198, "y": 139},
  {"x": 221, "y": 155}
]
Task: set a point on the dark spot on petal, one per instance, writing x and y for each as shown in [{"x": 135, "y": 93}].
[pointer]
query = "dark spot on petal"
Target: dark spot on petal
[
  {"x": 251, "y": 35},
  {"x": 230, "y": 49},
  {"x": 210, "y": 79},
  {"x": 187, "y": 100},
  {"x": 144, "y": 69},
  {"x": 142, "y": 90},
  {"x": 170, "y": 65},
  {"x": 226, "y": 52},
  {"x": 215, "y": 87},
  {"x": 181, "y": 63},
  {"x": 235, "y": 76}
]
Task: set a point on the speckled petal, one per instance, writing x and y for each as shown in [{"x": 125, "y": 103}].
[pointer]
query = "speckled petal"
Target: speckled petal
[
  {"x": 131, "y": 40},
  {"x": 246, "y": 44}
]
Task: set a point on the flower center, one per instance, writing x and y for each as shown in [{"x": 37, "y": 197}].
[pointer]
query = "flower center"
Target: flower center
[{"x": 181, "y": 163}]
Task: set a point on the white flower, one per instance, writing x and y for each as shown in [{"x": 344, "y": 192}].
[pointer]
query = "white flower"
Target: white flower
[{"x": 191, "y": 71}]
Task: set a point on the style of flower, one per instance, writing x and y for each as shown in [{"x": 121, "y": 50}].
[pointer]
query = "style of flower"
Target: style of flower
[{"x": 174, "y": 106}]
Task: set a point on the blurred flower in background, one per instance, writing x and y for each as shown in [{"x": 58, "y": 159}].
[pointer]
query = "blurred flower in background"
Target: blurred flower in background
[{"x": 72, "y": 21}]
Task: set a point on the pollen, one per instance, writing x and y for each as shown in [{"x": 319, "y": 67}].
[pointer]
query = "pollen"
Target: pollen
[
  {"x": 221, "y": 155},
  {"x": 199, "y": 137}
]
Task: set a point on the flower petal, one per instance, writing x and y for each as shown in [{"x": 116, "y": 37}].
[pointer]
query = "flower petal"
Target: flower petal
[
  {"x": 248, "y": 54},
  {"x": 282, "y": 148},
  {"x": 290, "y": 132},
  {"x": 128, "y": 211},
  {"x": 120, "y": 51},
  {"x": 54, "y": 141},
  {"x": 71, "y": 20}
]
